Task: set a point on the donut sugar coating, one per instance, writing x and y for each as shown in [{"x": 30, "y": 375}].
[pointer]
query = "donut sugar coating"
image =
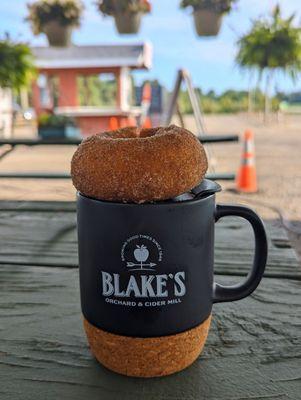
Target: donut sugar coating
[{"x": 135, "y": 165}]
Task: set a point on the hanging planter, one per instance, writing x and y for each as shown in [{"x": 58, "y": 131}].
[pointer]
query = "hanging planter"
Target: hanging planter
[
  {"x": 127, "y": 13},
  {"x": 207, "y": 22},
  {"x": 55, "y": 18},
  {"x": 128, "y": 23},
  {"x": 57, "y": 34},
  {"x": 208, "y": 14},
  {"x": 16, "y": 73}
]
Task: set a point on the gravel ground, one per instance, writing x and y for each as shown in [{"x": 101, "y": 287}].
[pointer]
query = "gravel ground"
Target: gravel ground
[{"x": 278, "y": 161}]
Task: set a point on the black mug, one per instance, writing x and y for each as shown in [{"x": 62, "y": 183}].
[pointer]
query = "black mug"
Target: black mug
[{"x": 146, "y": 270}]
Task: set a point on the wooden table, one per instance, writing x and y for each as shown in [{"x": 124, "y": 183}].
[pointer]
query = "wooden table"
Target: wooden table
[{"x": 254, "y": 346}]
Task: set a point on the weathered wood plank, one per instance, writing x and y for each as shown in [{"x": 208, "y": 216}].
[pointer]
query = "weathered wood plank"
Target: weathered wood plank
[
  {"x": 45, "y": 238},
  {"x": 47, "y": 206},
  {"x": 234, "y": 249},
  {"x": 253, "y": 350}
]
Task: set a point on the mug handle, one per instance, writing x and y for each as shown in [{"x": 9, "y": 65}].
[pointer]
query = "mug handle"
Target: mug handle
[{"x": 244, "y": 289}]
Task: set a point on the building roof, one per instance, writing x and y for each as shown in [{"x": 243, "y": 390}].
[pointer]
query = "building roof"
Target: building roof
[{"x": 132, "y": 56}]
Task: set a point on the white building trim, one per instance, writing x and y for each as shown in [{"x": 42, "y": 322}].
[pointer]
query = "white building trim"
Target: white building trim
[{"x": 6, "y": 113}]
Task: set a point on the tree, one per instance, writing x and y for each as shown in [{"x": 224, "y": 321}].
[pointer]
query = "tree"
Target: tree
[{"x": 273, "y": 44}]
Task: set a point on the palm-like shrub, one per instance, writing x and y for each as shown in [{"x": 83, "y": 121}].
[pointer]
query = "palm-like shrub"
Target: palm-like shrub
[
  {"x": 16, "y": 65},
  {"x": 65, "y": 12},
  {"x": 272, "y": 45}
]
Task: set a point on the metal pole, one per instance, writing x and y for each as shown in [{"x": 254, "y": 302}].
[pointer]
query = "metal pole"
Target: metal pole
[{"x": 167, "y": 117}]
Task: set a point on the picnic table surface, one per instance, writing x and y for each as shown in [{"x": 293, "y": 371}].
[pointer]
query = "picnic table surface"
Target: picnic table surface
[{"x": 254, "y": 346}]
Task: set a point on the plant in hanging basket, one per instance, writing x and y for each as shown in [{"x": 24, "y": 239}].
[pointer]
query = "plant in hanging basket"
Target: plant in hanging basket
[
  {"x": 55, "y": 18},
  {"x": 16, "y": 65},
  {"x": 111, "y": 7},
  {"x": 218, "y": 6},
  {"x": 273, "y": 45},
  {"x": 208, "y": 14},
  {"x": 16, "y": 72},
  {"x": 127, "y": 13}
]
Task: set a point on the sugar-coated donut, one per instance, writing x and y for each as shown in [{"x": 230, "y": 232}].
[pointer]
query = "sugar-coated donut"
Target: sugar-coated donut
[{"x": 133, "y": 165}]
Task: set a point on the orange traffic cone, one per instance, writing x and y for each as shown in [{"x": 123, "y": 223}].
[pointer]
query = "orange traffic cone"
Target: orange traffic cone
[
  {"x": 147, "y": 123},
  {"x": 113, "y": 124},
  {"x": 246, "y": 180}
]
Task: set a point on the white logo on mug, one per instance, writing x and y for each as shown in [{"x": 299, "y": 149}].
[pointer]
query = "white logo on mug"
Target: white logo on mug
[{"x": 141, "y": 253}]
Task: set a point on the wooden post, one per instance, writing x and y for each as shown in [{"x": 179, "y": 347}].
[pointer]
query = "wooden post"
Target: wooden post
[
  {"x": 36, "y": 98},
  {"x": 119, "y": 88},
  {"x": 67, "y": 88},
  {"x": 124, "y": 88}
]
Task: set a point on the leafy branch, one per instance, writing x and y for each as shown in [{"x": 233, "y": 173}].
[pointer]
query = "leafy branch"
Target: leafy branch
[{"x": 16, "y": 65}]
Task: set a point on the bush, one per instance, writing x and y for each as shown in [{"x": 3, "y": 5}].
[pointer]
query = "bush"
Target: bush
[
  {"x": 231, "y": 101},
  {"x": 65, "y": 12},
  {"x": 55, "y": 121}
]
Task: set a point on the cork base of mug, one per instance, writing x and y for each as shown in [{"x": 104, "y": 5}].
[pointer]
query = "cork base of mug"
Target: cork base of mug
[{"x": 147, "y": 357}]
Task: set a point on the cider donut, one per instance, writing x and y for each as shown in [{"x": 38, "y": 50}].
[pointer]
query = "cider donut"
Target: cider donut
[{"x": 133, "y": 165}]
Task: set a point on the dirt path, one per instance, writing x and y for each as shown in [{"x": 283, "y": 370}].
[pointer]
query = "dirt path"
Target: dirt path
[{"x": 278, "y": 162}]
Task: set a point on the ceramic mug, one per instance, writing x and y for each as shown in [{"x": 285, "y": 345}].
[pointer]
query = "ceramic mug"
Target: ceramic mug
[{"x": 147, "y": 270}]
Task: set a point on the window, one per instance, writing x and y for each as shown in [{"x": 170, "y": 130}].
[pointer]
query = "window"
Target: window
[
  {"x": 49, "y": 90},
  {"x": 97, "y": 90}
]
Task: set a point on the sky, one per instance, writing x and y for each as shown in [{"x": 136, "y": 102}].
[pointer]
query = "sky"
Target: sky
[{"x": 211, "y": 61}]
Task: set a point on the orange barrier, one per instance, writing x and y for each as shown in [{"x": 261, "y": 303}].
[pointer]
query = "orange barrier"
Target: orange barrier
[
  {"x": 147, "y": 93},
  {"x": 113, "y": 124},
  {"x": 147, "y": 123},
  {"x": 131, "y": 121},
  {"x": 246, "y": 180}
]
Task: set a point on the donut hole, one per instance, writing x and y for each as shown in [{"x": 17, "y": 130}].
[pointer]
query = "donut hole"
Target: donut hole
[
  {"x": 132, "y": 132},
  {"x": 149, "y": 132}
]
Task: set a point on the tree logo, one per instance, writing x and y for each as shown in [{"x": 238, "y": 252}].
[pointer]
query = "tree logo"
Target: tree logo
[{"x": 141, "y": 253}]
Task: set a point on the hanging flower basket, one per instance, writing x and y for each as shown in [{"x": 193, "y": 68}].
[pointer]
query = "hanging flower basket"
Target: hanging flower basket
[
  {"x": 127, "y": 13},
  {"x": 17, "y": 71},
  {"x": 128, "y": 23},
  {"x": 208, "y": 14},
  {"x": 55, "y": 18},
  {"x": 207, "y": 22},
  {"x": 57, "y": 34}
]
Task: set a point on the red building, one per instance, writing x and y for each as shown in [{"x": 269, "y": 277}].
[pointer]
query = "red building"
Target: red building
[{"x": 92, "y": 84}]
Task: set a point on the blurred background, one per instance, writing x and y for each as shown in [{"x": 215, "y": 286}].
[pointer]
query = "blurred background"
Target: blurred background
[{"x": 226, "y": 70}]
